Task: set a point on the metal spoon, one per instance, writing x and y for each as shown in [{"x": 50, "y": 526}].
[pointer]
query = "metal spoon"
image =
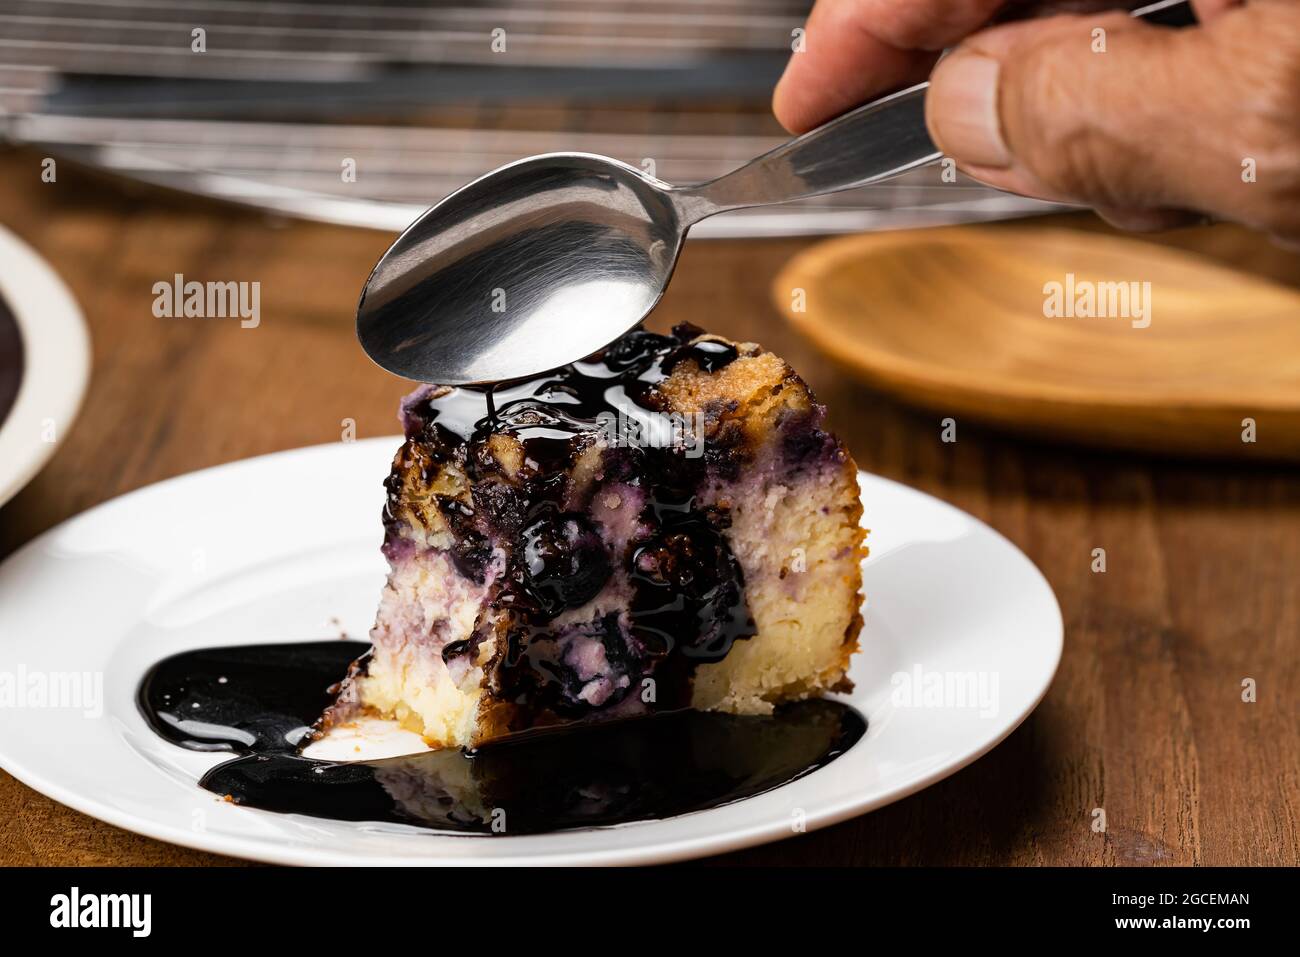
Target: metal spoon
[{"x": 547, "y": 260}]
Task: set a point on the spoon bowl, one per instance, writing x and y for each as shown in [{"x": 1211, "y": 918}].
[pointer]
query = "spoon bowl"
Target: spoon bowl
[{"x": 579, "y": 246}]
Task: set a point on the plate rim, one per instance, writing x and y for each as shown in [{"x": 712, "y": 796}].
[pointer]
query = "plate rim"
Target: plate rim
[
  {"x": 673, "y": 850},
  {"x": 56, "y": 361}
]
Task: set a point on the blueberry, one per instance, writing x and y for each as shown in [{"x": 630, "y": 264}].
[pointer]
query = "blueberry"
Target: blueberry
[
  {"x": 471, "y": 552},
  {"x": 709, "y": 354},
  {"x": 636, "y": 347},
  {"x": 690, "y": 592},
  {"x": 686, "y": 563},
  {"x": 564, "y": 561},
  {"x": 503, "y": 505}
]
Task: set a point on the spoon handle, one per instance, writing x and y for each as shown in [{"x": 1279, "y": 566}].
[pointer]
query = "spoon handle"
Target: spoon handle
[{"x": 871, "y": 143}]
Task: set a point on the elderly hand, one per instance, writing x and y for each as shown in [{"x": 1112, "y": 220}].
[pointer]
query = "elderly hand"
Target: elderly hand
[{"x": 1144, "y": 123}]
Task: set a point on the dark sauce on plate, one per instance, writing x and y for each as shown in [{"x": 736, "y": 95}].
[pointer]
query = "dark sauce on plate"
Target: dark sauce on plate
[
  {"x": 259, "y": 701},
  {"x": 11, "y": 360}
]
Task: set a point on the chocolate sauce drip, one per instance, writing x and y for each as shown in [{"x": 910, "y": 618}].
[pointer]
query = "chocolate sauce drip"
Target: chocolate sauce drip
[
  {"x": 688, "y": 603},
  {"x": 259, "y": 700},
  {"x": 709, "y": 354}
]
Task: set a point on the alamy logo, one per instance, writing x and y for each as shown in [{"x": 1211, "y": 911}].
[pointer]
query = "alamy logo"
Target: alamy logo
[
  {"x": 75, "y": 909},
  {"x": 1084, "y": 299},
  {"x": 958, "y": 690},
  {"x": 54, "y": 690},
  {"x": 179, "y": 299}
]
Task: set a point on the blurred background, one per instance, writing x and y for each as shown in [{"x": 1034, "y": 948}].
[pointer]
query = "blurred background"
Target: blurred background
[{"x": 423, "y": 97}]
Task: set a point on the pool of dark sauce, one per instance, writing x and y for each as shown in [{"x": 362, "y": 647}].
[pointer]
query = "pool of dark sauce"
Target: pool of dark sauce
[{"x": 258, "y": 701}]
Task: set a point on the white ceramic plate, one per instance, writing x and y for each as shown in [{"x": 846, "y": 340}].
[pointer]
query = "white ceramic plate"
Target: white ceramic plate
[
  {"x": 286, "y": 547},
  {"x": 56, "y": 363}
]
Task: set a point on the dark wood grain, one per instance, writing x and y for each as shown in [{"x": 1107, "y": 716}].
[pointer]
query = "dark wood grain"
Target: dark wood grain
[{"x": 1145, "y": 718}]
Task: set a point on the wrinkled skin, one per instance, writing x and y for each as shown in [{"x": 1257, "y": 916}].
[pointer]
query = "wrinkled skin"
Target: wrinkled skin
[{"x": 1154, "y": 132}]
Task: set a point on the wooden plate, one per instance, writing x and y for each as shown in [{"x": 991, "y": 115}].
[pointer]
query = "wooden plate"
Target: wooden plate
[{"x": 974, "y": 322}]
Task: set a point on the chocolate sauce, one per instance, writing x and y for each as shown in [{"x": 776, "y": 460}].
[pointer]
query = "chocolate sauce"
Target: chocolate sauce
[
  {"x": 709, "y": 354},
  {"x": 244, "y": 698},
  {"x": 258, "y": 701},
  {"x": 687, "y": 605},
  {"x": 11, "y": 360}
]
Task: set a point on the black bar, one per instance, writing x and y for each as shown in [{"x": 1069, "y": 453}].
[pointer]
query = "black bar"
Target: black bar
[{"x": 249, "y": 908}]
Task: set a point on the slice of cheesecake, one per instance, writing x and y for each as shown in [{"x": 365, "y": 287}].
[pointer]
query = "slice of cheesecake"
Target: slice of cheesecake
[{"x": 665, "y": 525}]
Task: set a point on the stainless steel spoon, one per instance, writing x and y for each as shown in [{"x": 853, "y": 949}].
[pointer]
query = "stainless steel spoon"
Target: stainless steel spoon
[{"x": 546, "y": 260}]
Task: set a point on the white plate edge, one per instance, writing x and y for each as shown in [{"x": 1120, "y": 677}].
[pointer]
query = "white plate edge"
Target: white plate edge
[{"x": 56, "y": 360}]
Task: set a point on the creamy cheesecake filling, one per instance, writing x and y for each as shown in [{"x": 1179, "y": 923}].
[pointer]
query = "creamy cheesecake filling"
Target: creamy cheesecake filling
[{"x": 603, "y": 540}]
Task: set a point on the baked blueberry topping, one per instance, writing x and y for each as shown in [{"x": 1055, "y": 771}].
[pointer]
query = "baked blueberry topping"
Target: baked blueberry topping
[{"x": 687, "y": 603}]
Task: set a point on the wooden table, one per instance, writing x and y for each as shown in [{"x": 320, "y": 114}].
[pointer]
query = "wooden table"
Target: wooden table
[{"x": 1145, "y": 718}]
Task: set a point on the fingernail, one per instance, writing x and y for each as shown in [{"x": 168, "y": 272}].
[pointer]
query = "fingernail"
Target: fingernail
[{"x": 962, "y": 110}]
